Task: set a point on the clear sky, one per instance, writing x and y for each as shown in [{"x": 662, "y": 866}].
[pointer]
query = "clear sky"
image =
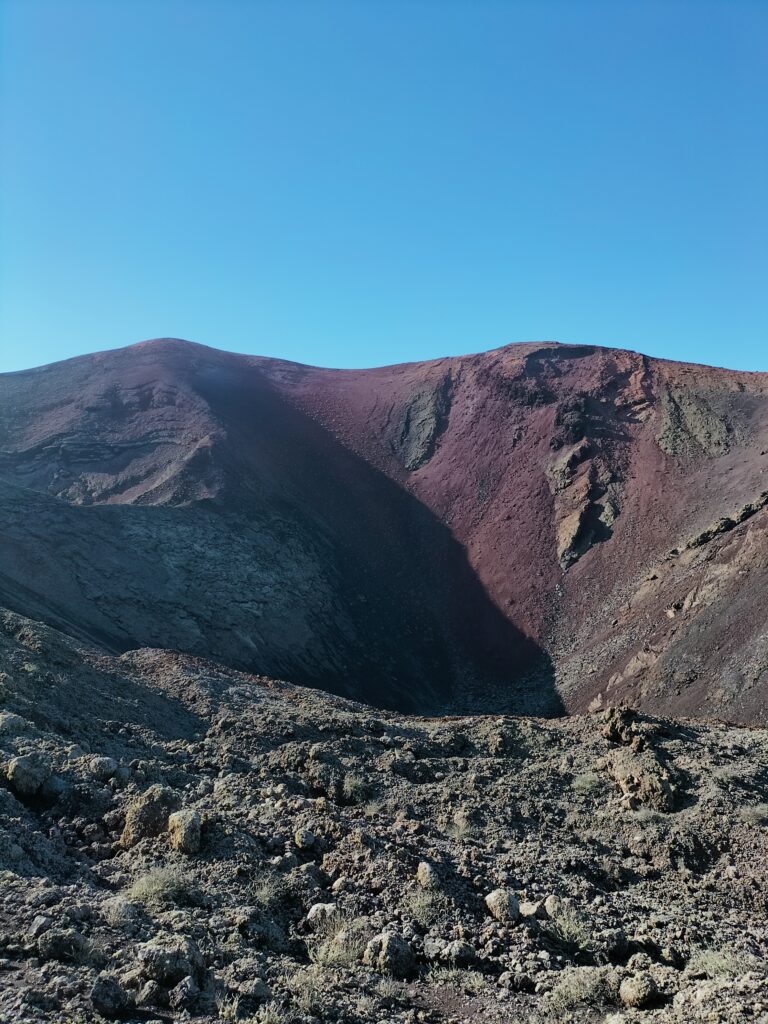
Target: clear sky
[{"x": 367, "y": 182}]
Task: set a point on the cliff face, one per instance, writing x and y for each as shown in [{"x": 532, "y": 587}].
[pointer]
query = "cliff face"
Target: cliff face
[{"x": 530, "y": 528}]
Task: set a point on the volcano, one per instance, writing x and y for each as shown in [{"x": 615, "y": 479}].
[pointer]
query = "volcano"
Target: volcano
[{"x": 538, "y": 529}]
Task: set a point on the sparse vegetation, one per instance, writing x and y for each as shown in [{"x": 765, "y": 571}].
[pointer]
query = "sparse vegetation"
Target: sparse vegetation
[
  {"x": 163, "y": 885},
  {"x": 116, "y": 912},
  {"x": 647, "y": 816},
  {"x": 270, "y": 1013},
  {"x": 374, "y": 808},
  {"x": 228, "y": 1008},
  {"x": 461, "y": 827},
  {"x": 427, "y": 907},
  {"x": 269, "y": 890},
  {"x": 571, "y": 931},
  {"x": 389, "y": 990},
  {"x": 755, "y": 814},
  {"x": 462, "y": 979},
  {"x": 309, "y": 988},
  {"x": 588, "y": 783},
  {"x": 354, "y": 788},
  {"x": 578, "y": 986},
  {"x": 720, "y": 963},
  {"x": 339, "y": 940}
]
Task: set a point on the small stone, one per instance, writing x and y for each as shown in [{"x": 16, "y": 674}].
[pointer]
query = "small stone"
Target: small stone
[
  {"x": 390, "y": 954},
  {"x": 102, "y": 768},
  {"x": 27, "y": 774},
  {"x": 638, "y": 991},
  {"x": 552, "y": 905},
  {"x": 426, "y": 875},
  {"x": 532, "y": 908},
  {"x": 184, "y": 831},
  {"x": 304, "y": 838},
  {"x": 152, "y": 994},
  {"x": 255, "y": 989},
  {"x": 503, "y": 905},
  {"x": 40, "y": 924},
  {"x": 148, "y": 815},
  {"x": 320, "y": 912},
  {"x": 458, "y": 953},
  {"x": 185, "y": 995},
  {"x": 108, "y": 996}
]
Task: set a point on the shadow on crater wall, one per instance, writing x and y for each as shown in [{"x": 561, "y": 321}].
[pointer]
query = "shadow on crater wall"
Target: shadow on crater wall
[{"x": 309, "y": 565}]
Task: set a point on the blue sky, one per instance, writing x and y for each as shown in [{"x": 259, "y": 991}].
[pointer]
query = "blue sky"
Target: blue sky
[{"x": 360, "y": 183}]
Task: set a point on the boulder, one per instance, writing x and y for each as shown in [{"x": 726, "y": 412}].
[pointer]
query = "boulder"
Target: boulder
[
  {"x": 426, "y": 875},
  {"x": 638, "y": 990},
  {"x": 108, "y": 996},
  {"x": 168, "y": 961},
  {"x": 503, "y": 905},
  {"x": 148, "y": 814},
  {"x": 184, "y": 831},
  {"x": 390, "y": 954},
  {"x": 27, "y": 775},
  {"x": 644, "y": 779},
  {"x": 620, "y": 725}
]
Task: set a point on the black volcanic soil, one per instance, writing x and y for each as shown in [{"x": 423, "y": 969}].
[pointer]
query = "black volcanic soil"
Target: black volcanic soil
[
  {"x": 530, "y": 529},
  {"x": 183, "y": 842}
]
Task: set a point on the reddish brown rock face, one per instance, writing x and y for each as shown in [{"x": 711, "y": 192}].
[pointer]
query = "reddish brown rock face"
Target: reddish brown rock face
[{"x": 537, "y": 527}]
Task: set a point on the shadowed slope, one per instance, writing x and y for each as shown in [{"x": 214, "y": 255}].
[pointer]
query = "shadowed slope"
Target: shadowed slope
[
  {"x": 273, "y": 547},
  {"x": 458, "y": 530}
]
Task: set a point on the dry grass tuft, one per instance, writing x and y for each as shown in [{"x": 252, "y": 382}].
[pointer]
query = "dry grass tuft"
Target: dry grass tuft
[
  {"x": 570, "y": 931},
  {"x": 340, "y": 941},
  {"x": 162, "y": 886},
  {"x": 755, "y": 814}
]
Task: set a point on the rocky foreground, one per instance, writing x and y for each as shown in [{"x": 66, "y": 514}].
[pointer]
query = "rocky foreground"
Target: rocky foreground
[{"x": 179, "y": 841}]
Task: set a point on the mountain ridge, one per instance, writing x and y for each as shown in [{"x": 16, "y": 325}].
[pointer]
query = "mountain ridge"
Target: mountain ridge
[
  {"x": 493, "y": 529},
  {"x": 171, "y": 341}
]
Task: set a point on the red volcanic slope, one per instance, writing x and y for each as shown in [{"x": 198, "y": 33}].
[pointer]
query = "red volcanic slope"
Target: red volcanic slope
[{"x": 531, "y": 525}]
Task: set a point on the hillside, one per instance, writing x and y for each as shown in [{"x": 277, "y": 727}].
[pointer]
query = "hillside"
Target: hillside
[{"x": 533, "y": 529}]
